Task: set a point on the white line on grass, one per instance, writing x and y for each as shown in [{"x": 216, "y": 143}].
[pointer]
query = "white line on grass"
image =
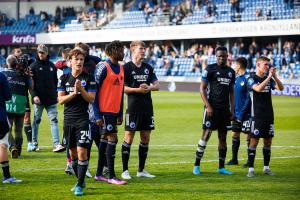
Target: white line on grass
[
  {"x": 162, "y": 163},
  {"x": 187, "y": 145}
]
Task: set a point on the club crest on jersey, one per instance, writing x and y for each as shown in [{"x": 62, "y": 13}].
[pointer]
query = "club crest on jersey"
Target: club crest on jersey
[
  {"x": 146, "y": 71},
  {"x": 132, "y": 125},
  {"x": 51, "y": 69},
  {"x": 109, "y": 127},
  {"x": 133, "y": 72},
  {"x": 207, "y": 124},
  {"x": 256, "y": 132},
  {"x": 242, "y": 83},
  {"x": 83, "y": 83},
  {"x": 230, "y": 74}
]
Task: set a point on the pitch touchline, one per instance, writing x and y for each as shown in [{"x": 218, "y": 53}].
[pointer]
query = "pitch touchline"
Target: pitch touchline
[
  {"x": 162, "y": 163},
  {"x": 187, "y": 145}
]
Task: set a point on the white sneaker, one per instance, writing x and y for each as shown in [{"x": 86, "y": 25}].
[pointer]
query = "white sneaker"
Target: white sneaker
[
  {"x": 125, "y": 175},
  {"x": 59, "y": 148},
  {"x": 88, "y": 173},
  {"x": 144, "y": 173}
]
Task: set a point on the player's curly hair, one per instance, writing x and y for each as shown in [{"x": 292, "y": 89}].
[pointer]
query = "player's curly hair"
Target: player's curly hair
[{"x": 112, "y": 48}]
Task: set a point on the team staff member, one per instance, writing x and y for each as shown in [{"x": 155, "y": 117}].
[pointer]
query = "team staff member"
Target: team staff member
[
  {"x": 262, "y": 123},
  {"x": 44, "y": 96},
  {"x": 140, "y": 80},
  {"x": 216, "y": 89},
  {"x": 108, "y": 108},
  {"x": 5, "y": 95},
  {"x": 241, "y": 121},
  {"x": 76, "y": 90}
]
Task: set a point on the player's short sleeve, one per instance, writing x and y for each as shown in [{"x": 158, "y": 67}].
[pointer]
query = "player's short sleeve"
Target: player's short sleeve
[
  {"x": 232, "y": 77},
  {"x": 91, "y": 84},
  {"x": 61, "y": 87},
  {"x": 152, "y": 74},
  {"x": 206, "y": 74}
]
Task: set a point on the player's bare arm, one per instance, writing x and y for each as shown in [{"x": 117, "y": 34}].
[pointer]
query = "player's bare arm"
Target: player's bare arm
[{"x": 203, "y": 93}]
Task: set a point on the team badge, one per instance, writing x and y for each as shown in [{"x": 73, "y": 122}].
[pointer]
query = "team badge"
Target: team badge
[
  {"x": 132, "y": 125},
  {"x": 242, "y": 83},
  {"x": 146, "y": 71},
  {"x": 51, "y": 69},
  {"x": 83, "y": 83},
  {"x": 109, "y": 127},
  {"x": 133, "y": 72},
  {"x": 208, "y": 124},
  {"x": 256, "y": 132},
  {"x": 230, "y": 74}
]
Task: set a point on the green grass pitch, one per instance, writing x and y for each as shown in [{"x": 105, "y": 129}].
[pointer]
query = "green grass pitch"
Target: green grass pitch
[{"x": 178, "y": 118}]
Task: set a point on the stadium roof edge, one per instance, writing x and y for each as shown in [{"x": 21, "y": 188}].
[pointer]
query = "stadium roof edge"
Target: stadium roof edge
[{"x": 215, "y": 30}]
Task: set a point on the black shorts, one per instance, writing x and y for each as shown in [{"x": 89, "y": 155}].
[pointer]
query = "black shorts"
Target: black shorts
[
  {"x": 139, "y": 122},
  {"x": 110, "y": 124},
  {"x": 77, "y": 135},
  {"x": 244, "y": 127},
  {"x": 262, "y": 129},
  {"x": 220, "y": 119}
]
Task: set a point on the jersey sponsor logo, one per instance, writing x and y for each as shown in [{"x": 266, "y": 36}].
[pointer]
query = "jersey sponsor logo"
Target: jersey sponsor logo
[
  {"x": 256, "y": 132},
  {"x": 224, "y": 81},
  {"x": 132, "y": 125},
  {"x": 146, "y": 71},
  {"x": 140, "y": 78},
  {"x": 93, "y": 83},
  {"x": 83, "y": 83},
  {"x": 204, "y": 73},
  {"x": 230, "y": 74},
  {"x": 109, "y": 127},
  {"x": 9, "y": 78}
]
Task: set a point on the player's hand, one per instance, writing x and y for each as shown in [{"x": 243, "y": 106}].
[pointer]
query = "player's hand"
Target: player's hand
[
  {"x": 78, "y": 85},
  {"x": 209, "y": 111},
  {"x": 36, "y": 100},
  {"x": 144, "y": 88},
  {"x": 119, "y": 120},
  {"x": 271, "y": 72},
  {"x": 275, "y": 70},
  {"x": 100, "y": 122}
]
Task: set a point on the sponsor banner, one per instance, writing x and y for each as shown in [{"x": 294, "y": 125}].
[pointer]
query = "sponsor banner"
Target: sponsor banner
[
  {"x": 198, "y": 31},
  {"x": 10, "y": 39},
  {"x": 289, "y": 90}
]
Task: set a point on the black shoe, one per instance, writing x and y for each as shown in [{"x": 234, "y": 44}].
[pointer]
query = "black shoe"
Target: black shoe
[{"x": 232, "y": 162}]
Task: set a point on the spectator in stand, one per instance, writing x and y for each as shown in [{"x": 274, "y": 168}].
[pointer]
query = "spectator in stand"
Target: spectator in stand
[{"x": 258, "y": 14}]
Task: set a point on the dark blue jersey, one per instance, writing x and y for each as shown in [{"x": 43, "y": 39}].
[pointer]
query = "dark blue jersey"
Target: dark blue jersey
[{"x": 240, "y": 96}]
